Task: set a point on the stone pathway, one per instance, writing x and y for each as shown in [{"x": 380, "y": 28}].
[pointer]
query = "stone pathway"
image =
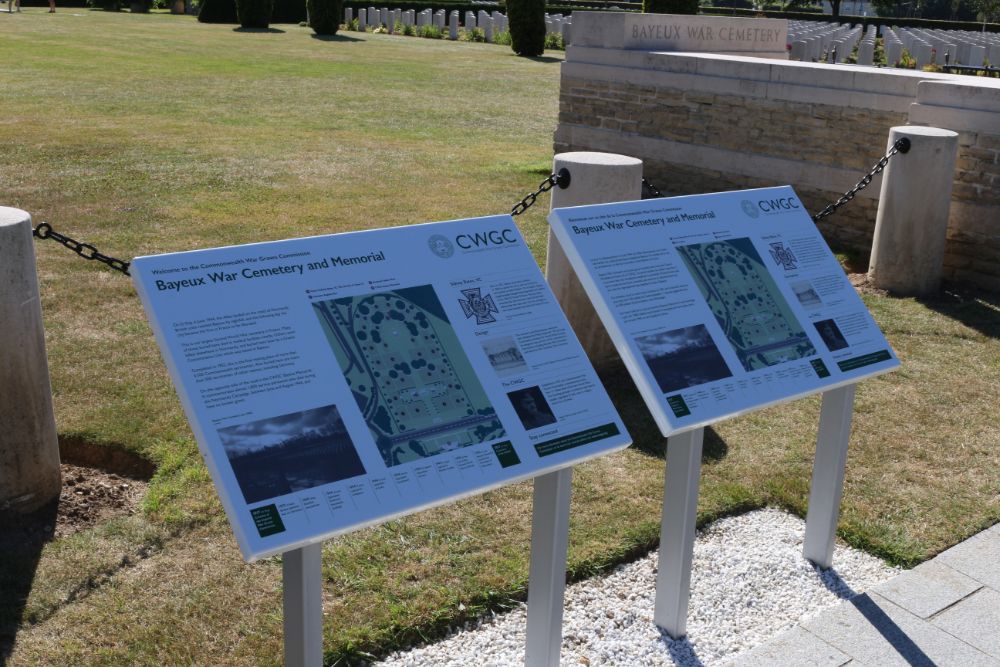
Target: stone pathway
[{"x": 943, "y": 612}]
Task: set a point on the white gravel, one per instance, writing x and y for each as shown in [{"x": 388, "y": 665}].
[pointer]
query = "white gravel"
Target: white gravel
[{"x": 749, "y": 583}]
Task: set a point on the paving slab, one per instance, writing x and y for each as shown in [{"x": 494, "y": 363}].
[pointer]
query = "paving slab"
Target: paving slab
[
  {"x": 796, "y": 648},
  {"x": 977, "y": 557},
  {"x": 928, "y": 588},
  {"x": 875, "y": 631},
  {"x": 975, "y": 620}
]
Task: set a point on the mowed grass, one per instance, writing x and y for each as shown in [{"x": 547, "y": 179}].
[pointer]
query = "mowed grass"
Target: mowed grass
[{"x": 148, "y": 134}]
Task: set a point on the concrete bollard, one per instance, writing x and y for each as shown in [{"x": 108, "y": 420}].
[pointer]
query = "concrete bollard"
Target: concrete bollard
[
  {"x": 595, "y": 178},
  {"x": 29, "y": 450},
  {"x": 912, "y": 221}
]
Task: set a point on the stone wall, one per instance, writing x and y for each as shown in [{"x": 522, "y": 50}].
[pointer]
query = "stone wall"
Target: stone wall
[{"x": 706, "y": 123}]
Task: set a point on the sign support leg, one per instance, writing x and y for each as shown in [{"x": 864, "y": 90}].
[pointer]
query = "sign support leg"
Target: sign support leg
[
  {"x": 547, "y": 575},
  {"x": 677, "y": 529},
  {"x": 302, "y": 577},
  {"x": 828, "y": 475}
]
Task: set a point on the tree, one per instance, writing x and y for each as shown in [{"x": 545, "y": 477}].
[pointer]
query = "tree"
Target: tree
[
  {"x": 988, "y": 11},
  {"x": 526, "y": 21},
  {"x": 324, "y": 15}
]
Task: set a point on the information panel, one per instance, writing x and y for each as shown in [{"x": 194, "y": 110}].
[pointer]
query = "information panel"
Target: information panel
[
  {"x": 721, "y": 304},
  {"x": 338, "y": 381}
]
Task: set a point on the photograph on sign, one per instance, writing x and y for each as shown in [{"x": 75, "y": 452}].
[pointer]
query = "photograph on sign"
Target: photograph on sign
[
  {"x": 722, "y": 303},
  {"x": 339, "y": 381}
]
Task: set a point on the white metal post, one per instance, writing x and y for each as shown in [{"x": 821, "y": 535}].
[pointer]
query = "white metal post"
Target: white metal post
[
  {"x": 677, "y": 529},
  {"x": 547, "y": 574},
  {"x": 302, "y": 576},
  {"x": 828, "y": 475}
]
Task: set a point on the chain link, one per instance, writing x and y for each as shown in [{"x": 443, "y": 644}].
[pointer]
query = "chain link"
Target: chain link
[
  {"x": 651, "y": 188},
  {"x": 560, "y": 178},
  {"x": 901, "y": 145},
  {"x": 44, "y": 231}
]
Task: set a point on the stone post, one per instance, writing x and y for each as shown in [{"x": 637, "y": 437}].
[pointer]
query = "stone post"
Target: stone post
[
  {"x": 595, "y": 178},
  {"x": 912, "y": 221},
  {"x": 29, "y": 450}
]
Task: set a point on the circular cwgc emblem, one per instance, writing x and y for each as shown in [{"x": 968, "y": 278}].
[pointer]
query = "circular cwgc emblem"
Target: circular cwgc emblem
[
  {"x": 441, "y": 246},
  {"x": 750, "y": 208}
]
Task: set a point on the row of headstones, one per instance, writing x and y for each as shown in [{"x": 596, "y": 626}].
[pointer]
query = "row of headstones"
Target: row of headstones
[
  {"x": 489, "y": 23},
  {"x": 815, "y": 41},
  {"x": 818, "y": 41},
  {"x": 374, "y": 18},
  {"x": 942, "y": 47},
  {"x": 558, "y": 24}
]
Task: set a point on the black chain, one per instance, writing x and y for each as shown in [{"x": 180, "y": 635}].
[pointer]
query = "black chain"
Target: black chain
[
  {"x": 44, "y": 231},
  {"x": 901, "y": 145},
  {"x": 652, "y": 188},
  {"x": 560, "y": 178}
]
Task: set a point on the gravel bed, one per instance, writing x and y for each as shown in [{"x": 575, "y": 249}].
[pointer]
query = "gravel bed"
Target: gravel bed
[{"x": 749, "y": 583}]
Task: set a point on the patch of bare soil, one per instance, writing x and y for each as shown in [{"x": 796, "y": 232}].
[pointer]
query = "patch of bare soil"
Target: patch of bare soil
[
  {"x": 861, "y": 283},
  {"x": 89, "y": 496}
]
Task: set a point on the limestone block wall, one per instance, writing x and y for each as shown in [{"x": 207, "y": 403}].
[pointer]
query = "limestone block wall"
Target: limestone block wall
[
  {"x": 972, "y": 253},
  {"x": 705, "y": 123}
]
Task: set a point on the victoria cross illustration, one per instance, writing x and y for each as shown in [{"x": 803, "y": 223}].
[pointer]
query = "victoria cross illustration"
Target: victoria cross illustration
[
  {"x": 478, "y": 306},
  {"x": 783, "y": 255}
]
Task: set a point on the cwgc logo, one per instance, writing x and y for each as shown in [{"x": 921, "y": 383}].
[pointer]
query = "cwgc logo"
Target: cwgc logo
[
  {"x": 783, "y": 255},
  {"x": 478, "y": 306},
  {"x": 441, "y": 246},
  {"x": 749, "y": 208}
]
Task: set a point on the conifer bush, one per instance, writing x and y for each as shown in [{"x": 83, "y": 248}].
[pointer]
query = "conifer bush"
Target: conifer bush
[
  {"x": 254, "y": 13},
  {"x": 526, "y": 22},
  {"x": 324, "y": 15},
  {"x": 670, "y": 6}
]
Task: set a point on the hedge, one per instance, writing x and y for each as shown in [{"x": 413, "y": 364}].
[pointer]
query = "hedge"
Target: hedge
[
  {"x": 217, "y": 11},
  {"x": 670, "y": 6},
  {"x": 291, "y": 11}
]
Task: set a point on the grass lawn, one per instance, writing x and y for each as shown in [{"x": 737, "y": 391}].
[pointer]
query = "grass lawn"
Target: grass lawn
[{"x": 148, "y": 134}]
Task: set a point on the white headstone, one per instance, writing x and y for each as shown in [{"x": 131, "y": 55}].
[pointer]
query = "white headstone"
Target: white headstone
[
  {"x": 977, "y": 54},
  {"x": 799, "y": 50}
]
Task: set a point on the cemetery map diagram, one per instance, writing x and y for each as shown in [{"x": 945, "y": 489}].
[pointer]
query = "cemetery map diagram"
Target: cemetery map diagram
[
  {"x": 408, "y": 373},
  {"x": 746, "y": 302}
]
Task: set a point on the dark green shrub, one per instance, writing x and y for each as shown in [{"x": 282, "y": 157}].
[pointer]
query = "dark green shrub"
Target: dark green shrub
[
  {"x": 106, "y": 5},
  {"x": 254, "y": 13},
  {"x": 289, "y": 11},
  {"x": 217, "y": 11},
  {"x": 670, "y": 6},
  {"x": 325, "y": 15},
  {"x": 527, "y": 26}
]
